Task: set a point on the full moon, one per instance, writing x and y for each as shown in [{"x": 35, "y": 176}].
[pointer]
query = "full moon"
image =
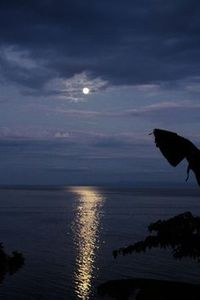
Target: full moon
[{"x": 86, "y": 91}]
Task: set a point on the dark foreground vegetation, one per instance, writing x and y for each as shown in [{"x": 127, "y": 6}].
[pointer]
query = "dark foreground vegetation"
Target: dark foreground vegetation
[
  {"x": 181, "y": 234},
  {"x": 9, "y": 263}
]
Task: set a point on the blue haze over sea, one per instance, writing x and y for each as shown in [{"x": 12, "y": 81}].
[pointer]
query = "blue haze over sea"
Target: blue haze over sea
[{"x": 106, "y": 163}]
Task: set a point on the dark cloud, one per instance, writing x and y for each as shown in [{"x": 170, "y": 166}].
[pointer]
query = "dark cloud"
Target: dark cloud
[
  {"x": 124, "y": 42},
  {"x": 33, "y": 78}
]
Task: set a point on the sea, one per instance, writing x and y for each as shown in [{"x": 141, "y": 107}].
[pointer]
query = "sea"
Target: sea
[{"x": 67, "y": 235}]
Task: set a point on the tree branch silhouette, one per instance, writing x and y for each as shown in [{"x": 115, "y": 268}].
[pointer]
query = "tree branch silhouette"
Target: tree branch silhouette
[{"x": 180, "y": 233}]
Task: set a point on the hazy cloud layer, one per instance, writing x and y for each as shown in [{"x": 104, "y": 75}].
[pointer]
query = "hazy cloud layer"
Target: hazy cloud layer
[{"x": 161, "y": 112}]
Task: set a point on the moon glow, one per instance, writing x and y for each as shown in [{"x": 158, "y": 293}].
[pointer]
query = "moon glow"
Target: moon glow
[{"x": 86, "y": 91}]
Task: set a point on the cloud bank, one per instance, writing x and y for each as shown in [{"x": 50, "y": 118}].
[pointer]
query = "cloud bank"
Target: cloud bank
[{"x": 132, "y": 42}]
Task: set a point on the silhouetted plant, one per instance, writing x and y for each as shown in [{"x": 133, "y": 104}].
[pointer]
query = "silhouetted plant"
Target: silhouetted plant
[
  {"x": 175, "y": 148},
  {"x": 180, "y": 233},
  {"x": 15, "y": 261},
  {"x": 9, "y": 263}
]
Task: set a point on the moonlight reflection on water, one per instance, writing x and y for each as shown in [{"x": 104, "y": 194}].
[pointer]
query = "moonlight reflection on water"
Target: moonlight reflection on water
[{"x": 86, "y": 237}]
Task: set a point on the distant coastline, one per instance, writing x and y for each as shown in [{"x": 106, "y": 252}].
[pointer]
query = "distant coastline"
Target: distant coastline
[{"x": 165, "y": 190}]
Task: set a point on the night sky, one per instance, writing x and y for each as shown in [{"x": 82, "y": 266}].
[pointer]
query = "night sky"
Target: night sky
[{"x": 140, "y": 60}]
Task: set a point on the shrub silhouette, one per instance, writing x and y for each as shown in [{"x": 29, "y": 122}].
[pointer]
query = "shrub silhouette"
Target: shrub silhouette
[
  {"x": 180, "y": 233},
  {"x": 9, "y": 263}
]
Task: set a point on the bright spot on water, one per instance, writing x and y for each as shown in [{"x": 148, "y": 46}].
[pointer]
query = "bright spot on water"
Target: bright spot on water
[{"x": 86, "y": 228}]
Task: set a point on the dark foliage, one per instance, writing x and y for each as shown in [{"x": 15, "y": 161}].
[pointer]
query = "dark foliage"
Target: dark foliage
[
  {"x": 180, "y": 233},
  {"x": 9, "y": 263},
  {"x": 175, "y": 148}
]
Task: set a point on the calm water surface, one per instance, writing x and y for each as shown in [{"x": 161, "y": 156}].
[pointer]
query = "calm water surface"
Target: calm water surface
[{"x": 67, "y": 237}]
